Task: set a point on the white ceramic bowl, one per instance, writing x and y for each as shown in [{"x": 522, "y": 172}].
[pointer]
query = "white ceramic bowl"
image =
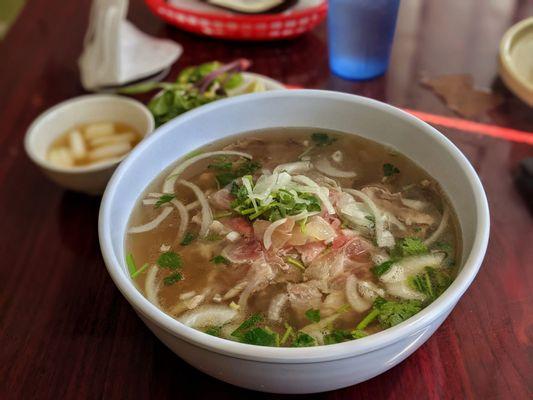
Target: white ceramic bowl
[
  {"x": 57, "y": 120},
  {"x": 312, "y": 369}
]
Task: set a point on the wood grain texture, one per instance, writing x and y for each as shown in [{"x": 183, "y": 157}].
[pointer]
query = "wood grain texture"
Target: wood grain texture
[{"x": 65, "y": 330}]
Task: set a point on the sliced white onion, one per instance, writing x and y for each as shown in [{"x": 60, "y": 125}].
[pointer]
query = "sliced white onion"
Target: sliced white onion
[
  {"x": 357, "y": 302},
  {"x": 208, "y": 315},
  {"x": 303, "y": 215},
  {"x": 234, "y": 291},
  {"x": 233, "y": 236},
  {"x": 170, "y": 180},
  {"x": 207, "y": 215},
  {"x": 408, "y": 266},
  {"x": 149, "y": 202},
  {"x": 298, "y": 166},
  {"x": 150, "y": 286},
  {"x": 193, "y": 205},
  {"x": 195, "y": 301},
  {"x": 383, "y": 237},
  {"x": 184, "y": 218},
  {"x": 318, "y": 228},
  {"x": 323, "y": 165},
  {"x": 313, "y": 187},
  {"x": 404, "y": 291},
  {"x": 370, "y": 290},
  {"x": 337, "y": 156},
  {"x": 165, "y": 212},
  {"x": 187, "y": 295},
  {"x": 320, "y": 325},
  {"x": 267, "y": 238},
  {"x": 305, "y": 181},
  {"x": 276, "y": 306},
  {"x": 440, "y": 229},
  {"x": 414, "y": 204}
]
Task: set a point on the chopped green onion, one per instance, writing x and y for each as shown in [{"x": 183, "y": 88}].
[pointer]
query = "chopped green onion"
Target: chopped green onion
[
  {"x": 220, "y": 260},
  {"x": 295, "y": 262},
  {"x": 139, "y": 271},
  {"x": 370, "y": 317},
  {"x": 131, "y": 264}
]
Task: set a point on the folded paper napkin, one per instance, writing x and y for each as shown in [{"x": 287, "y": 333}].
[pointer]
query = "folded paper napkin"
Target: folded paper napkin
[{"x": 117, "y": 53}]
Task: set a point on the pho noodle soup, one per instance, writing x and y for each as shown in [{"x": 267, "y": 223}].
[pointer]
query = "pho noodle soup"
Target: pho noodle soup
[{"x": 294, "y": 238}]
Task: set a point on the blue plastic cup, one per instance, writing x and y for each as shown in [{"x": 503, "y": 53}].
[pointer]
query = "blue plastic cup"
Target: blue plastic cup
[{"x": 360, "y": 34}]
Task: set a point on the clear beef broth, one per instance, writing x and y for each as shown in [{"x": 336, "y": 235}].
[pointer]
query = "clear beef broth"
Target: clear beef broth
[{"x": 326, "y": 298}]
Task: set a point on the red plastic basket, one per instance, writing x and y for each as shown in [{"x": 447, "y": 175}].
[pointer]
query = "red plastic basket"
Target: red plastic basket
[{"x": 241, "y": 27}]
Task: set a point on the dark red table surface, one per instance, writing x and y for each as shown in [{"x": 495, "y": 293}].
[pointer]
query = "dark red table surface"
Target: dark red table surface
[{"x": 65, "y": 330}]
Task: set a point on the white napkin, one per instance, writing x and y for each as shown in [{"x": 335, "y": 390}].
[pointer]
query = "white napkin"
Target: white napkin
[{"x": 116, "y": 52}]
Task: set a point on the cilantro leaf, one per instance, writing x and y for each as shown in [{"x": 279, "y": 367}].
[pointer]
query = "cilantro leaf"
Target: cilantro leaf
[
  {"x": 220, "y": 260},
  {"x": 260, "y": 337},
  {"x": 251, "y": 322},
  {"x": 213, "y": 237},
  {"x": 172, "y": 278},
  {"x": 303, "y": 340},
  {"x": 380, "y": 269},
  {"x": 213, "y": 331},
  {"x": 221, "y": 165},
  {"x": 313, "y": 315},
  {"x": 169, "y": 260},
  {"x": 225, "y": 178},
  {"x": 188, "y": 238},
  {"x": 432, "y": 282},
  {"x": 389, "y": 170},
  {"x": 409, "y": 246},
  {"x": 391, "y": 313},
  {"x": 322, "y": 139},
  {"x": 337, "y": 336},
  {"x": 165, "y": 198}
]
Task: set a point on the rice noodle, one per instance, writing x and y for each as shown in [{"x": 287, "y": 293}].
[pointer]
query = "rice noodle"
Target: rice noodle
[
  {"x": 150, "y": 286},
  {"x": 276, "y": 306},
  {"x": 153, "y": 223},
  {"x": 184, "y": 218},
  {"x": 440, "y": 229},
  {"x": 170, "y": 180},
  {"x": 357, "y": 302},
  {"x": 208, "y": 315},
  {"x": 267, "y": 237},
  {"x": 323, "y": 165},
  {"x": 207, "y": 215},
  {"x": 383, "y": 239},
  {"x": 298, "y": 166}
]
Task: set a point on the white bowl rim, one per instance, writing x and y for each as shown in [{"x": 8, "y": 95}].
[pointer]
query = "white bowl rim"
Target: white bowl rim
[
  {"x": 95, "y": 97},
  {"x": 308, "y": 354}
]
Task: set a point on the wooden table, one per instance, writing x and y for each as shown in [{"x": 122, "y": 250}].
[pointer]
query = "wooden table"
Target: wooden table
[{"x": 66, "y": 332}]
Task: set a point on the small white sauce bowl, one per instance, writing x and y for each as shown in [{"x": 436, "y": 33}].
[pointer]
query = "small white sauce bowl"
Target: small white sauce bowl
[
  {"x": 57, "y": 120},
  {"x": 310, "y": 369}
]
